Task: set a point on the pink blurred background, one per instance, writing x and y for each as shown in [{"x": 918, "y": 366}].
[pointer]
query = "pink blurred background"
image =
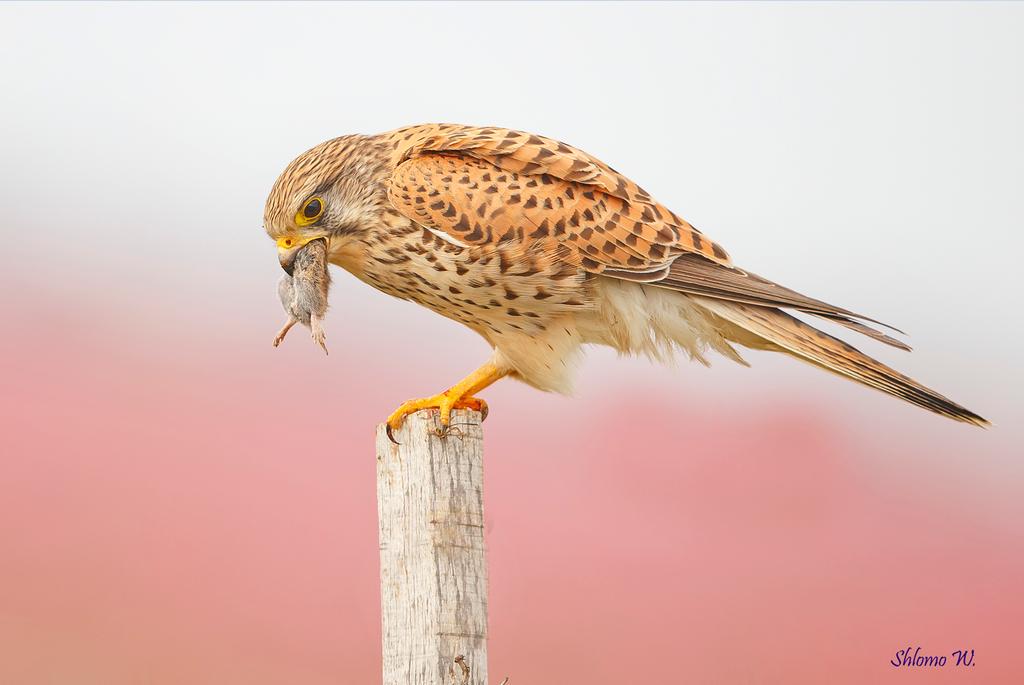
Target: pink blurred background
[{"x": 181, "y": 503}]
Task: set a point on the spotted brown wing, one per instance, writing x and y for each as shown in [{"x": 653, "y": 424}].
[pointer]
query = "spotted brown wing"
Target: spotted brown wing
[{"x": 489, "y": 186}]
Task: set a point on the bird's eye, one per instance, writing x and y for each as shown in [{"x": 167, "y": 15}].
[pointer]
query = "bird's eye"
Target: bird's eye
[
  {"x": 313, "y": 208},
  {"x": 310, "y": 211}
]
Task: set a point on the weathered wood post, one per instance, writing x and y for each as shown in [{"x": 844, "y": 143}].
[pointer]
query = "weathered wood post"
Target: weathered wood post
[{"x": 433, "y": 565}]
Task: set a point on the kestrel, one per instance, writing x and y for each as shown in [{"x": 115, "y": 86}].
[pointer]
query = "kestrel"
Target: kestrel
[{"x": 541, "y": 248}]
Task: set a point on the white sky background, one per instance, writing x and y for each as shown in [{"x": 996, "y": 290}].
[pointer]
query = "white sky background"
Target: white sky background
[{"x": 871, "y": 155}]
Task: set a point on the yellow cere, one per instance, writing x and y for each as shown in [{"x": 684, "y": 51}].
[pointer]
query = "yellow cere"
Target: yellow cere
[{"x": 289, "y": 242}]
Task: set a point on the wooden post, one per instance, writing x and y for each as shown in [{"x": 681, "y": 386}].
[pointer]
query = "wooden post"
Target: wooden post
[{"x": 433, "y": 566}]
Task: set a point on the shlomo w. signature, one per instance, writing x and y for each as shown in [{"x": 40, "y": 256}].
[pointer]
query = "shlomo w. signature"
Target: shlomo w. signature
[{"x": 913, "y": 658}]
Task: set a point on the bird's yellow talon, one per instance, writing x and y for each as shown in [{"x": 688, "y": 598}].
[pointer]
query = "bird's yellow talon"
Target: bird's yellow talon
[
  {"x": 459, "y": 396},
  {"x": 444, "y": 402},
  {"x": 476, "y": 404}
]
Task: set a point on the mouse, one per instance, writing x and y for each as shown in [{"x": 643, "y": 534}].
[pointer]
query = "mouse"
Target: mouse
[{"x": 304, "y": 293}]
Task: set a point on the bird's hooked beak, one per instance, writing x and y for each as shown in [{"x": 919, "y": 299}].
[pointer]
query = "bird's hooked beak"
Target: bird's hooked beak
[{"x": 288, "y": 246}]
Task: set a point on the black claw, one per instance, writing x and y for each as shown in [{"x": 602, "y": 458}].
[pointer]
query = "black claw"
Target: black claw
[
  {"x": 391, "y": 436},
  {"x": 484, "y": 412}
]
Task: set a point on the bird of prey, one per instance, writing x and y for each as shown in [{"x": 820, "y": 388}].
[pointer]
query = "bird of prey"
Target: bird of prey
[{"x": 541, "y": 248}]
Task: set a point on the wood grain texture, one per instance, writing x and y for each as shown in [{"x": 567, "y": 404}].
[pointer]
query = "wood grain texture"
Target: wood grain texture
[{"x": 432, "y": 555}]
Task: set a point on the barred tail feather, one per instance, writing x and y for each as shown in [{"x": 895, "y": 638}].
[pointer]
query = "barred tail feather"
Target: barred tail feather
[{"x": 770, "y": 328}]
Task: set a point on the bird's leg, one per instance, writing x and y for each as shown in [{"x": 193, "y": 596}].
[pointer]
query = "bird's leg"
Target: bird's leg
[
  {"x": 459, "y": 396},
  {"x": 284, "y": 330},
  {"x": 317, "y": 331}
]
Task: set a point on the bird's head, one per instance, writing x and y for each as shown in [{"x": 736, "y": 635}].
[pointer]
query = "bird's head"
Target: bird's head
[{"x": 333, "y": 191}]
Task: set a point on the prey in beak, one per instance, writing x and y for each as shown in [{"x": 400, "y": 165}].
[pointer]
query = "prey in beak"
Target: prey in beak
[
  {"x": 304, "y": 287},
  {"x": 288, "y": 248}
]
